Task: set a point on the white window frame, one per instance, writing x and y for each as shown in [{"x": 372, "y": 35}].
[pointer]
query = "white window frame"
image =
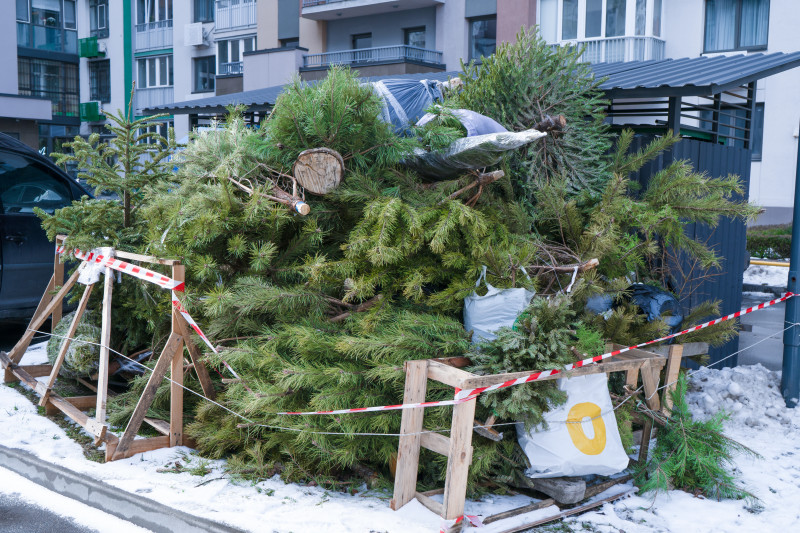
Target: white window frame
[
  {"x": 150, "y": 61},
  {"x": 168, "y": 11},
  {"x": 630, "y": 20},
  {"x": 228, "y": 57}
]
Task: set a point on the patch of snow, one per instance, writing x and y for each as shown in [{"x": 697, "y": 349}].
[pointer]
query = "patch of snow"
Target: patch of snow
[
  {"x": 772, "y": 276},
  {"x": 750, "y": 394}
]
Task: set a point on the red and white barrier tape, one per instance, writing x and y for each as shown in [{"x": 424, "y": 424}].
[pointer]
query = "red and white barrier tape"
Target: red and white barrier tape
[
  {"x": 475, "y": 521},
  {"x": 145, "y": 274},
  {"x": 540, "y": 375},
  {"x": 465, "y": 395}
]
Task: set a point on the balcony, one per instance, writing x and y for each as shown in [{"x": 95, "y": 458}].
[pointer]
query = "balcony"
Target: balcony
[
  {"x": 146, "y": 98},
  {"x": 336, "y": 9},
  {"x": 615, "y": 49},
  {"x": 235, "y": 14},
  {"x": 228, "y": 69},
  {"x": 370, "y": 56},
  {"x": 154, "y": 35},
  {"x": 47, "y": 38}
]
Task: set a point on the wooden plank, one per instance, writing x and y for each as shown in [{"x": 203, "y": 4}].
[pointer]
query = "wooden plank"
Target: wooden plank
[
  {"x": 105, "y": 343},
  {"x": 636, "y": 352},
  {"x": 38, "y": 371},
  {"x": 58, "y": 279},
  {"x": 632, "y": 378},
  {"x": 612, "y": 366},
  {"x": 689, "y": 349},
  {"x": 650, "y": 376},
  {"x": 145, "y": 258},
  {"x": 82, "y": 402},
  {"x": 176, "y": 373},
  {"x": 197, "y": 360},
  {"x": 430, "y": 503},
  {"x": 671, "y": 374},
  {"x": 435, "y": 442},
  {"x": 47, "y": 297},
  {"x": 459, "y": 459},
  {"x": 65, "y": 343},
  {"x": 18, "y": 350},
  {"x": 89, "y": 424},
  {"x": 161, "y": 426},
  {"x": 113, "y": 452},
  {"x": 146, "y": 400},
  {"x": 405, "y": 479},
  {"x": 449, "y": 375},
  {"x": 519, "y": 510}
]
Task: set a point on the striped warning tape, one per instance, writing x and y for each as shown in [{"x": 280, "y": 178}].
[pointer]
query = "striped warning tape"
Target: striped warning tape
[
  {"x": 465, "y": 395},
  {"x": 145, "y": 274}
]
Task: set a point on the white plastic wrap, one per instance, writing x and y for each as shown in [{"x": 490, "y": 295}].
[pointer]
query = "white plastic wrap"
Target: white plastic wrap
[
  {"x": 90, "y": 272},
  {"x": 498, "y": 308},
  {"x": 588, "y": 444}
]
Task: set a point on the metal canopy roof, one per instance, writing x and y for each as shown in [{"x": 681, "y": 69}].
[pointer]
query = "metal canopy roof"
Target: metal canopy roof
[{"x": 696, "y": 76}]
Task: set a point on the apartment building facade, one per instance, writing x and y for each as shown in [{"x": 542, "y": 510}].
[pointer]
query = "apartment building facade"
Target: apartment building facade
[{"x": 642, "y": 30}]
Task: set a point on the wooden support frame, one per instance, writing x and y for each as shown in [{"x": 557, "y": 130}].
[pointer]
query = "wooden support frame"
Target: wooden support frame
[
  {"x": 458, "y": 446},
  {"x": 171, "y": 358}
]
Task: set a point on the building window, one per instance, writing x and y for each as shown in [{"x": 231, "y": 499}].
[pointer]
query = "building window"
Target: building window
[
  {"x": 23, "y": 13},
  {"x": 153, "y": 11},
  {"x": 229, "y": 54},
  {"x": 362, "y": 40},
  {"x": 98, "y": 18},
  {"x": 294, "y": 42},
  {"x": 657, "y": 18},
  {"x": 569, "y": 20},
  {"x": 160, "y": 128},
  {"x": 47, "y": 13},
  {"x": 54, "y": 80},
  {"x": 204, "y": 74},
  {"x": 615, "y": 18},
  {"x": 203, "y": 11},
  {"x": 594, "y": 18},
  {"x": 482, "y": 36},
  {"x": 414, "y": 37},
  {"x": 100, "y": 81},
  {"x": 736, "y": 25},
  {"x": 154, "y": 72},
  {"x": 641, "y": 17},
  {"x": 757, "y": 132}
]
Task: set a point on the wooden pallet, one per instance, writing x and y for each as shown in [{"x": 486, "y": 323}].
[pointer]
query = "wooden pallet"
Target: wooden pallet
[
  {"x": 458, "y": 446},
  {"x": 171, "y": 358}
]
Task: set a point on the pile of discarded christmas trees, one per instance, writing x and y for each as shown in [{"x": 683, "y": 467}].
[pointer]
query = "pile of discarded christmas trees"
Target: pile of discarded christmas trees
[{"x": 341, "y": 238}]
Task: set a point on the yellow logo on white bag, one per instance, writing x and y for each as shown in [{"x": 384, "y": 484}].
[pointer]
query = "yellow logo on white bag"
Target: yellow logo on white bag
[{"x": 596, "y": 444}]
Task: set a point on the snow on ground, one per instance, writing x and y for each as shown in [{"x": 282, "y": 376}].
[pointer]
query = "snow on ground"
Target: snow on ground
[
  {"x": 774, "y": 276},
  {"x": 24, "y": 491},
  {"x": 759, "y": 420}
]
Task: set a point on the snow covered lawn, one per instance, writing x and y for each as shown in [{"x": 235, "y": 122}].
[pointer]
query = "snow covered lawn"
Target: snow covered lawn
[
  {"x": 759, "y": 420},
  {"x": 773, "y": 276}
]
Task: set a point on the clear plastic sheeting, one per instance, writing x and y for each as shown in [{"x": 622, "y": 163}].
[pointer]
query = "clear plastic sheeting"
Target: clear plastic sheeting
[
  {"x": 474, "y": 123},
  {"x": 405, "y": 102},
  {"x": 470, "y": 153}
]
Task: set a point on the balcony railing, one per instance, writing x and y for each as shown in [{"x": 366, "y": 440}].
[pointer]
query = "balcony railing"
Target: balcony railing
[
  {"x": 154, "y": 35},
  {"x": 614, "y": 49},
  {"x": 47, "y": 38},
  {"x": 397, "y": 53},
  {"x": 312, "y": 3},
  {"x": 146, "y": 98},
  {"x": 234, "y": 14},
  {"x": 235, "y": 67}
]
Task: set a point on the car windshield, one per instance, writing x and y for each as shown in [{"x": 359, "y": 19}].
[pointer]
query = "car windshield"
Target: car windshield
[{"x": 26, "y": 184}]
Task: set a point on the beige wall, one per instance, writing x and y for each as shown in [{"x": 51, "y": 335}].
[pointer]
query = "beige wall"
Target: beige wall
[
  {"x": 269, "y": 69},
  {"x": 313, "y": 35},
  {"x": 267, "y": 20},
  {"x": 28, "y": 130},
  {"x": 511, "y": 16}
]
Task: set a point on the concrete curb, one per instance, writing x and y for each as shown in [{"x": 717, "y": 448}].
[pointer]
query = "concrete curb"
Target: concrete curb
[{"x": 137, "y": 510}]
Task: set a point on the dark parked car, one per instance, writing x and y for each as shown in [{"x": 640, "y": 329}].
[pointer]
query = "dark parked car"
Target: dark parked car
[{"x": 27, "y": 180}]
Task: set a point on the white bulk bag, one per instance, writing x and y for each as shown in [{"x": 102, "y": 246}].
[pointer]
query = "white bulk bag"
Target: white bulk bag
[
  {"x": 590, "y": 444},
  {"x": 496, "y": 309}
]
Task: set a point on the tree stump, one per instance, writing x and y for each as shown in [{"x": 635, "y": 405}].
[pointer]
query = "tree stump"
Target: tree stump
[{"x": 319, "y": 170}]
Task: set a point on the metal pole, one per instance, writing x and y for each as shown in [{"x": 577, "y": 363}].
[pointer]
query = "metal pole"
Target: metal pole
[{"x": 790, "y": 377}]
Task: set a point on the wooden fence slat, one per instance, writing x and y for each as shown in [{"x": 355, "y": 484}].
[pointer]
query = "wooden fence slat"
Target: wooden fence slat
[
  {"x": 176, "y": 373},
  {"x": 674, "y": 357},
  {"x": 65, "y": 343},
  {"x": 405, "y": 479},
  {"x": 18, "y": 350},
  {"x": 146, "y": 400},
  {"x": 58, "y": 279},
  {"x": 105, "y": 342},
  {"x": 459, "y": 459}
]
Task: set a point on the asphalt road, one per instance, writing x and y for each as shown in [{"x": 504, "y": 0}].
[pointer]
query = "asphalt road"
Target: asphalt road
[{"x": 20, "y": 516}]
